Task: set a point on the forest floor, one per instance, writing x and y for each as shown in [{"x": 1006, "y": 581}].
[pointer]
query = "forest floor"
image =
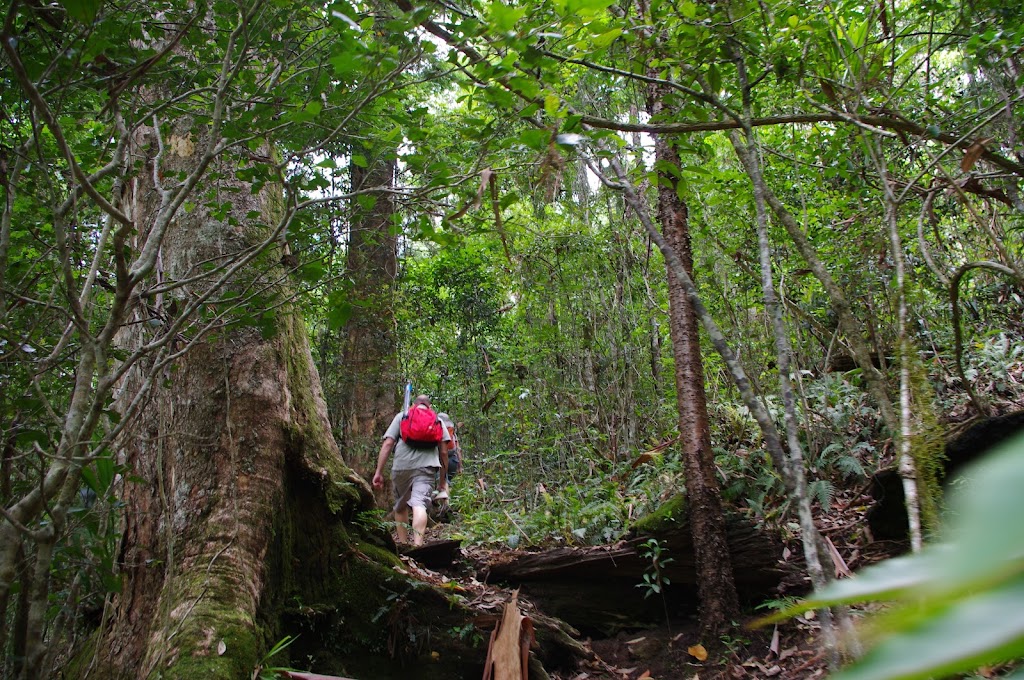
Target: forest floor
[{"x": 789, "y": 650}]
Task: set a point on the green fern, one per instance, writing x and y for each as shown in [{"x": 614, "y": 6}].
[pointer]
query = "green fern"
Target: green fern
[
  {"x": 821, "y": 490},
  {"x": 850, "y": 466}
]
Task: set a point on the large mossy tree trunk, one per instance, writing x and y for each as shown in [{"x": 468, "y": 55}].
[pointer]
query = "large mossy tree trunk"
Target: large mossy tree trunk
[
  {"x": 719, "y": 604},
  {"x": 241, "y": 521}
]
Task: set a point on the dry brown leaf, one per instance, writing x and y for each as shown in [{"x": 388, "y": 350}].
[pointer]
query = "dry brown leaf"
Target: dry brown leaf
[
  {"x": 842, "y": 570},
  {"x": 644, "y": 676},
  {"x": 973, "y": 153},
  {"x": 698, "y": 652},
  {"x": 773, "y": 648}
]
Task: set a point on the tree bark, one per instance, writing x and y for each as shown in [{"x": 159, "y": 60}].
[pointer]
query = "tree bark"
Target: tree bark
[
  {"x": 370, "y": 355},
  {"x": 717, "y": 591}
]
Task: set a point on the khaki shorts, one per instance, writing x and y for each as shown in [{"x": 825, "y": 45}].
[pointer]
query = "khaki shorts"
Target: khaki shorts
[{"x": 413, "y": 487}]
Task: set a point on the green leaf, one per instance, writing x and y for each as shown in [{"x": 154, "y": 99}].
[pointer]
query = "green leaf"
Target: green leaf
[
  {"x": 551, "y": 104},
  {"x": 346, "y": 63},
  {"x": 688, "y": 9},
  {"x": 360, "y": 160},
  {"x": 963, "y": 600},
  {"x": 714, "y": 78},
  {"x": 502, "y": 17},
  {"x": 588, "y": 8},
  {"x": 312, "y": 272},
  {"x": 529, "y": 110},
  {"x": 535, "y": 139},
  {"x": 981, "y": 629},
  {"x": 84, "y": 11},
  {"x": 607, "y": 38}
]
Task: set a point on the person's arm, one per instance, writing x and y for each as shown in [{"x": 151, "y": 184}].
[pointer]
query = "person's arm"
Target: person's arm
[
  {"x": 382, "y": 459},
  {"x": 442, "y": 449}
]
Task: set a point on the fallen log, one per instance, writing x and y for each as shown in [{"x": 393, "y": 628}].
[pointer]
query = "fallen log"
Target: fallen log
[
  {"x": 887, "y": 517},
  {"x": 596, "y": 588}
]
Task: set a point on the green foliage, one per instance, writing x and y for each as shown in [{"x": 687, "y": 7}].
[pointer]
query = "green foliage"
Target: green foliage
[
  {"x": 654, "y": 580},
  {"x": 960, "y": 602},
  {"x": 996, "y": 364},
  {"x": 264, "y": 670},
  {"x": 579, "y": 504}
]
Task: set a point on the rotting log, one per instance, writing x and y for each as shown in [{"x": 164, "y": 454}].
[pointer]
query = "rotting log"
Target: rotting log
[{"x": 887, "y": 516}]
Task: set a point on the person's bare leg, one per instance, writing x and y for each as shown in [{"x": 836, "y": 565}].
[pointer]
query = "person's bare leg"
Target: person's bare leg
[
  {"x": 419, "y": 524},
  {"x": 402, "y": 524}
]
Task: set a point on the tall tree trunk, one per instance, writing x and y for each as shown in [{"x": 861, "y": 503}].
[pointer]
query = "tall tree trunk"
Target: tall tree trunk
[
  {"x": 719, "y": 604},
  {"x": 371, "y": 360}
]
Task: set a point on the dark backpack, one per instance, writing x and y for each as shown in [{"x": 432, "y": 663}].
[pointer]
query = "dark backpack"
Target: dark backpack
[{"x": 420, "y": 428}]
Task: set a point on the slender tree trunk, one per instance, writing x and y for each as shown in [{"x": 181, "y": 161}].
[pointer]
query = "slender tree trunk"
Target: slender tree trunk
[
  {"x": 813, "y": 544},
  {"x": 370, "y": 354},
  {"x": 719, "y": 604},
  {"x": 907, "y": 468}
]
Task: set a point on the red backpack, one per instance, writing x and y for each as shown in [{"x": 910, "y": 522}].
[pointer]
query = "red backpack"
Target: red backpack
[{"x": 420, "y": 428}]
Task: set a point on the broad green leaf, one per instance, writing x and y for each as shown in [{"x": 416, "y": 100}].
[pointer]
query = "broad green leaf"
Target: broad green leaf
[
  {"x": 607, "y": 38},
  {"x": 588, "y": 8},
  {"x": 312, "y": 272},
  {"x": 714, "y": 78},
  {"x": 360, "y": 160},
  {"x": 366, "y": 201},
  {"x": 984, "y": 628},
  {"x": 502, "y": 17},
  {"x": 84, "y": 11},
  {"x": 535, "y": 139},
  {"x": 527, "y": 86},
  {"x": 346, "y": 62},
  {"x": 551, "y": 104},
  {"x": 681, "y": 190}
]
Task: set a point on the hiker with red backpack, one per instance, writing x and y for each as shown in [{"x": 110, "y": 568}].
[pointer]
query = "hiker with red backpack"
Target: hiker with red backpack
[{"x": 420, "y": 443}]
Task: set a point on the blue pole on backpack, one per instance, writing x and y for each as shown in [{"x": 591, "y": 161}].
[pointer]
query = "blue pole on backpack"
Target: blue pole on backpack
[{"x": 408, "y": 398}]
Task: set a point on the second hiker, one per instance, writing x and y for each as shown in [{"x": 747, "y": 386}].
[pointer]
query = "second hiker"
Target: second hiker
[{"x": 420, "y": 443}]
